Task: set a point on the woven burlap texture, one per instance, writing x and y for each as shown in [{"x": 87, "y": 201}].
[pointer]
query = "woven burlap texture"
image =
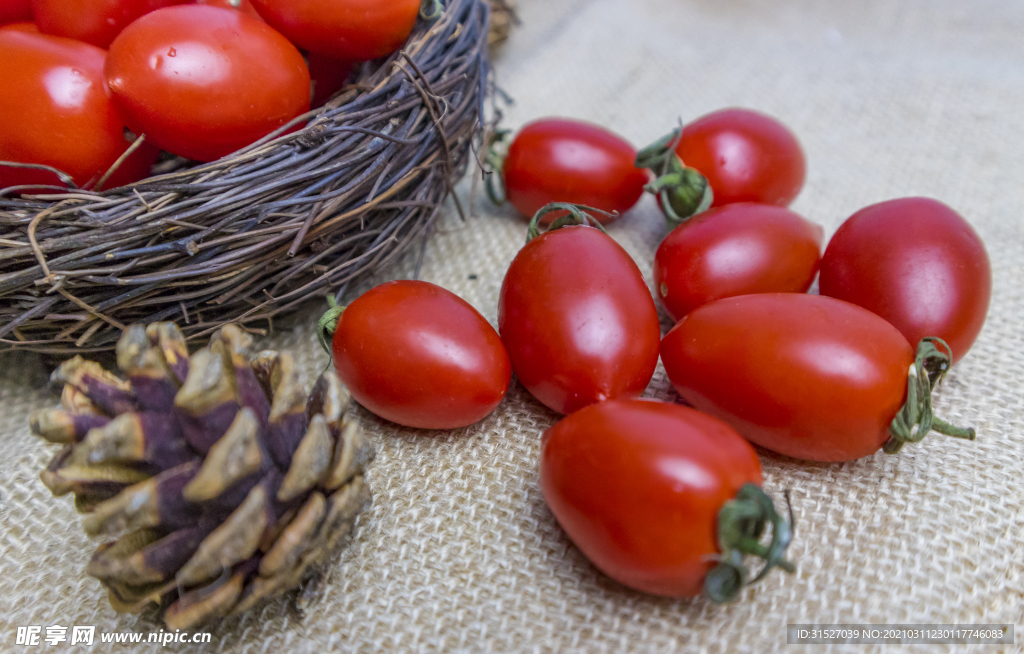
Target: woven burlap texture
[{"x": 459, "y": 553}]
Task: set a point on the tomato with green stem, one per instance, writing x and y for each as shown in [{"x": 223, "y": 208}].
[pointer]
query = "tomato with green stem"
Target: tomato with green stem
[
  {"x": 576, "y": 315},
  {"x": 57, "y": 114},
  {"x": 662, "y": 498},
  {"x": 807, "y": 376},
  {"x": 418, "y": 355},
  {"x": 917, "y": 263}
]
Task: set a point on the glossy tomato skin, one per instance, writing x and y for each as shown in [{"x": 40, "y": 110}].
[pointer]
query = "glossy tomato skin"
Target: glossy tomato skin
[
  {"x": 350, "y": 30},
  {"x": 418, "y": 355},
  {"x": 563, "y": 160},
  {"x": 917, "y": 263},
  {"x": 637, "y": 485},
  {"x": 578, "y": 320},
  {"x": 733, "y": 250},
  {"x": 243, "y": 6},
  {"x": 94, "y": 21},
  {"x": 57, "y": 113},
  {"x": 15, "y": 11},
  {"x": 202, "y": 82},
  {"x": 807, "y": 376},
  {"x": 746, "y": 156}
]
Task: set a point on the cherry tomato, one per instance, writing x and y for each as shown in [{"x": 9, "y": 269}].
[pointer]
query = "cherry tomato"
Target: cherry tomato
[
  {"x": 27, "y": 28},
  {"x": 203, "y": 82},
  {"x": 243, "y": 6},
  {"x": 746, "y": 156},
  {"x": 94, "y": 21},
  {"x": 57, "y": 113},
  {"x": 562, "y": 160},
  {"x": 916, "y": 263},
  {"x": 807, "y": 376},
  {"x": 418, "y": 355},
  {"x": 639, "y": 487},
  {"x": 578, "y": 320},
  {"x": 350, "y": 30},
  {"x": 328, "y": 75},
  {"x": 735, "y": 250},
  {"x": 15, "y": 11}
]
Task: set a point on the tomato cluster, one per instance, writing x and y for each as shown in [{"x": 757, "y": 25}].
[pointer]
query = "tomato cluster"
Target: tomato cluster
[
  {"x": 664, "y": 498},
  {"x": 93, "y": 89}
]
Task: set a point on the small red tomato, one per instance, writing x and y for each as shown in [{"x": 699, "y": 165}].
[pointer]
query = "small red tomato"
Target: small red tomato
[
  {"x": 27, "y": 28},
  {"x": 639, "y": 486},
  {"x": 202, "y": 82},
  {"x": 418, "y": 355},
  {"x": 351, "y": 30},
  {"x": 243, "y": 6},
  {"x": 578, "y": 320},
  {"x": 562, "y": 160},
  {"x": 916, "y": 263},
  {"x": 327, "y": 75},
  {"x": 57, "y": 113},
  {"x": 735, "y": 250},
  {"x": 746, "y": 156},
  {"x": 94, "y": 21},
  {"x": 807, "y": 376},
  {"x": 15, "y": 11}
]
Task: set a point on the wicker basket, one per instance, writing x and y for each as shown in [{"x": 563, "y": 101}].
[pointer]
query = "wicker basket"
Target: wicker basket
[{"x": 254, "y": 234}]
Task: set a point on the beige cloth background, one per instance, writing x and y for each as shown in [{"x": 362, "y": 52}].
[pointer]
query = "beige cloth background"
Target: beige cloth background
[{"x": 459, "y": 553}]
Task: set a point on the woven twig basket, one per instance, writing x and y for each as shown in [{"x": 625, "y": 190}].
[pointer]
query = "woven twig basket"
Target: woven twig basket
[{"x": 254, "y": 234}]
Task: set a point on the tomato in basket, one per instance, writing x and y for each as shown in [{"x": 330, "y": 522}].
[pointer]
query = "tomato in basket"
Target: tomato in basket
[
  {"x": 807, "y": 376},
  {"x": 661, "y": 498},
  {"x": 203, "y": 82},
  {"x": 418, "y": 355},
  {"x": 352, "y": 30},
  {"x": 576, "y": 316},
  {"x": 57, "y": 113},
  {"x": 94, "y": 21},
  {"x": 15, "y": 11},
  {"x": 564, "y": 160},
  {"x": 915, "y": 262}
]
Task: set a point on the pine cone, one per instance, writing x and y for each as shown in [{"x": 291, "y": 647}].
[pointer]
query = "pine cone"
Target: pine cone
[{"x": 231, "y": 483}]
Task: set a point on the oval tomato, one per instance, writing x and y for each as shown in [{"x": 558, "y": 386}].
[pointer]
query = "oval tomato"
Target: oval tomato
[
  {"x": 351, "y": 30},
  {"x": 639, "y": 486},
  {"x": 746, "y": 156},
  {"x": 577, "y": 319},
  {"x": 15, "y": 11},
  {"x": 418, "y": 355},
  {"x": 735, "y": 250},
  {"x": 562, "y": 160},
  {"x": 202, "y": 82},
  {"x": 807, "y": 376},
  {"x": 916, "y": 263},
  {"x": 94, "y": 21},
  {"x": 57, "y": 113}
]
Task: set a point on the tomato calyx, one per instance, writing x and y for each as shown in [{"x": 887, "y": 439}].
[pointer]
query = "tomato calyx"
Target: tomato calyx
[
  {"x": 328, "y": 323},
  {"x": 915, "y": 420},
  {"x": 431, "y": 9},
  {"x": 741, "y": 524},
  {"x": 683, "y": 191},
  {"x": 497, "y": 149},
  {"x": 578, "y": 215}
]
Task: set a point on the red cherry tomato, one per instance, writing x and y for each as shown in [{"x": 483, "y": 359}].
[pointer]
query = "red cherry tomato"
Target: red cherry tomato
[
  {"x": 243, "y": 6},
  {"x": 807, "y": 376},
  {"x": 577, "y": 319},
  {"x": 416, "y": 354},
  {"x": 916, "y": 263},
  {"x": 350, "y": 30},
  {"x": 639, "y": 485},
  {"x": 203, "y": 82},
  {"x": 562, "y": 160},
  {"x": 27, "y": 28},
  {"x": 56, "y": 113},
  {"x": 746, "y": 156},
  {"x": 94, "y": 21},
  {"x": 735, "y": 250},
  {"x": 15, "y": 11}
]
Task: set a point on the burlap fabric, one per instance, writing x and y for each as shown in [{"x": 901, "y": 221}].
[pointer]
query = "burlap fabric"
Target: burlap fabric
[{"x": 459, "y": 553}]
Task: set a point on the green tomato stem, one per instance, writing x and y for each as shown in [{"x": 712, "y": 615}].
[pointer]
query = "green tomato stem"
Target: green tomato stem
[
  {"x": 431, "y": 9},
  {"x": 497, "y": 150},
  {"x": 741, "y": 524},
  {"x": 915, "y": 420},
  {"x": 684, "y": 192},
  {"x": 578, "y": 215},
  {"x": 328, "y": 323}
]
